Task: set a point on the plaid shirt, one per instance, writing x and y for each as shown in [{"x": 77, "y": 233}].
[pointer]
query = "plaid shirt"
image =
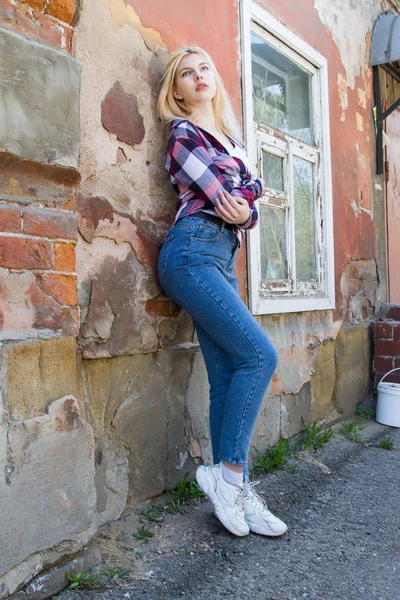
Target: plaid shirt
[{"x": 200, "y": 167}]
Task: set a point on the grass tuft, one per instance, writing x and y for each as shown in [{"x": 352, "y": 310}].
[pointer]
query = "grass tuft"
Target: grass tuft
[
  {"x": 81, "y": 580},
  {"x": 387, "y": 443},
  {"x": 365, "y": 412},
  {"x": 351, "y": 430},
  {"x": 143, "y": 534},
  {"x": 274, "y": 457},
  {"x": 314, "y": 436},
  {"x": 115, "y": 572}
]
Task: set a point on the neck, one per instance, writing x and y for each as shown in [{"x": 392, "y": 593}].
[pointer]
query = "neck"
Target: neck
[{"x": 204, "y": 117}]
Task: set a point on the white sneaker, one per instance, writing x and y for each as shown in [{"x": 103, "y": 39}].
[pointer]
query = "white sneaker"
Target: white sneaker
[
  {"x": 227, "y": 499},
  {"x": 258, "y": 517}
]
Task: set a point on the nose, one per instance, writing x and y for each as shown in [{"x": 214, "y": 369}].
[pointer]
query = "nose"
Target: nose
[{"x": 198, "y": 76}]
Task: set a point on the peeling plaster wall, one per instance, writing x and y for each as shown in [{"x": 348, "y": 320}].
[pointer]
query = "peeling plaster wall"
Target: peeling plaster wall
[
  {"x": 350, "y": 23},
  {"x": 127, "y": 400},
  {"x": 341, "y": 31},
  {"x": 142, "y": 378},
  {"x": 138, "y": 359}
]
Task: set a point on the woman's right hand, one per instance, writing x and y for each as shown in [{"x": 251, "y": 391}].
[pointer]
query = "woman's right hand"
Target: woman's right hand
[{"x": 232, "y": 209}]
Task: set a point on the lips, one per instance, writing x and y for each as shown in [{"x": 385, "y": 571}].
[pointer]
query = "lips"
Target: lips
[{"x": 201, "y": 86}]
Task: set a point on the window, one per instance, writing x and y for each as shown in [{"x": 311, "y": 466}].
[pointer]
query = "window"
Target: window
[{"x": 287, "y": 134}]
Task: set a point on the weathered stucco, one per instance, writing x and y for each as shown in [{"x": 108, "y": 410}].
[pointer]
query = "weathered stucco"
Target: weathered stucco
[
  {"x": 40, "y": 100},
  {"x": 350, "y": 22},
  {"x": 125, "y": 205},
  {"x": 120, "y": 413},
  {"x": 47, "y": 492}
]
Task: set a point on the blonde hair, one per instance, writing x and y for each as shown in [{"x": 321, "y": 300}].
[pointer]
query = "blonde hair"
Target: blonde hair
[{"x": 169, "y": 107}]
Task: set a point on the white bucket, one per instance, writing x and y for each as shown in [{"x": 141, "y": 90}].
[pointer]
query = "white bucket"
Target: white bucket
[{"x": 388, "y": 406}]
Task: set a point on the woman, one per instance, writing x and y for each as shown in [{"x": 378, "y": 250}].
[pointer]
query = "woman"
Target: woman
[{"x": 216, "y": 195}]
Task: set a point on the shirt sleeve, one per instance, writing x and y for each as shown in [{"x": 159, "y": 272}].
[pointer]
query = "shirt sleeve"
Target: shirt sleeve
[
  {"x": 252, "y": 220},
  {"x": 190, "y": 163}
]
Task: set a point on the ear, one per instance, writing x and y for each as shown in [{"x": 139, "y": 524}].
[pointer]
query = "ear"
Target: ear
[{"x": 177, "y": 96}]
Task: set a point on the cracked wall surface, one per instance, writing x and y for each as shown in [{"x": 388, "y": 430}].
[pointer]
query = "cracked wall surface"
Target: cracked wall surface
[
  {"x": 40, "y": 101},
  {"x": 117, "y": 382},
  {"x": 47, "y": 492}
]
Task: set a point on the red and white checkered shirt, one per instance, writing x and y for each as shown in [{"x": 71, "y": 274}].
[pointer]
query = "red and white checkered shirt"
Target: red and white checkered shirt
[{"x": 200, "y": 166}]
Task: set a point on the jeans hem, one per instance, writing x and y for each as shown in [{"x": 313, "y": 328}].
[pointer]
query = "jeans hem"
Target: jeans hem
[{"x": 233, "y": 461}]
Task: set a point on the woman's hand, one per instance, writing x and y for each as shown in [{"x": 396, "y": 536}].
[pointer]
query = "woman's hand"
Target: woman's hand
[{"x": 230, "y": 209}]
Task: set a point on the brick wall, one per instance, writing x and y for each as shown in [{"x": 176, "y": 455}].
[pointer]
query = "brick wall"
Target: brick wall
[
  {"x": 41, "y": 242},
  {"x": 387, "y": 346},
  {"x": 38, "y": 170},
  {"x": 50, "y": 21}
]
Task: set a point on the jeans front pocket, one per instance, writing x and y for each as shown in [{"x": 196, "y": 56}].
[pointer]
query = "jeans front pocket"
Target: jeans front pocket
[
  {"x": 163, "y": 257},
  {"x": 206, "y": 232}
]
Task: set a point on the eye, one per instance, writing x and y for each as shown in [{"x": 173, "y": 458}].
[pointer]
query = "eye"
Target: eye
[
  {"x": 185, "y": 73},
  {"x": 205, "y": 68}
]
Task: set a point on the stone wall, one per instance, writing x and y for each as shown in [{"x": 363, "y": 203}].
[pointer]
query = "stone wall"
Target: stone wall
[{"x": 47, "y": 475}]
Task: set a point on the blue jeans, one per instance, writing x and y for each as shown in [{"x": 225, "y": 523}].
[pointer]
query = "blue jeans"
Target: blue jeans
[{"x": 195, "y": 269}]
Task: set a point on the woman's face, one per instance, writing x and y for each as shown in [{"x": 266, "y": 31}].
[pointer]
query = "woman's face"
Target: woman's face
[{"x": 194, "y": 81}]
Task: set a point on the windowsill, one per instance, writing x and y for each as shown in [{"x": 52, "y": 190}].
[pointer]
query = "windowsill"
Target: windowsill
[{"x": 282, "y": 304}]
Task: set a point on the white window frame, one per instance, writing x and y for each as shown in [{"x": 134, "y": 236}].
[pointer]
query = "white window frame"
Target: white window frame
[{"x": 297, "y": 50}]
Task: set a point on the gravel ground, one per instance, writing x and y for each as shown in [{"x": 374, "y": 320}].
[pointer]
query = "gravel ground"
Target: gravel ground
[{"x": 342, "y": 506}]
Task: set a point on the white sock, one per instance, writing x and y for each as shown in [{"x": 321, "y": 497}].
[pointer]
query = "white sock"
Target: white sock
[{"x": 230, "y": 476}]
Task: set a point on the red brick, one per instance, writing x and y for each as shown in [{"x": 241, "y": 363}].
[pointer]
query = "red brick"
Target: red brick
[
  {"x": 64, "y": 10},
  {"x": 70, "y": 321},
  {"x": 392, "y": 378},
  {"x": 50, "y": 224},
  {"x": 383, "y": 364},
  {"x": 24, "y": 253},
  {"x": 71, "y": 204},
  {"x": 387, "y": 348},
  {"x": 36, "y": 4},
  {"x": 397, "y": 363},
  {"x": 383, "y": 330},
  {"x": 159, "y": 307},
  {"x": 10, "y": 219},
  {"x": 45, "y": 29},
  {"x": 394, "y": 313},
  {"x": 396, "y": 331},
  {"x": 47, "y": 313},
  {"x": 163, "y": 308},
  {"x": 60, "y": 287},
  {"x": 64, "y": 257}
]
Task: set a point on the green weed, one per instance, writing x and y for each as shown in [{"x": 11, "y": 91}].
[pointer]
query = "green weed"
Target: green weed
[
  {"x": 387, "y": 443},
  {"x": 351, "y": 430},
  {"x": 365, "y": 412},
  {"x": 154, "y": 513},
  {"x": 143, "y": 534},
  {"x": 274, "y": 457},
  {"x": 114, "y": 572},
  {"x": 314, "y": 436},
  {"x": 81, "y": 580},
  {"x": 188, "y": 490}
]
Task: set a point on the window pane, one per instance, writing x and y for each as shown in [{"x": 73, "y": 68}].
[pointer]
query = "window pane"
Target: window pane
[
  {"x": 272, "y": 240},
  {"x": 272, "y": 171},
  {"x": 281, "y": 92},
  {"x": 303, "y": 180}
]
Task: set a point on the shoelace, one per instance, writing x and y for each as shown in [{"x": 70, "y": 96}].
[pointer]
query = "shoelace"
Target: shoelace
[
  {"x": 254, "y": 496},
  {"x": 240, "y": 499}
]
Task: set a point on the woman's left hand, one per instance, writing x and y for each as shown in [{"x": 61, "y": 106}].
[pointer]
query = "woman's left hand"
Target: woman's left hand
[{"x": 231, "y": 209}]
